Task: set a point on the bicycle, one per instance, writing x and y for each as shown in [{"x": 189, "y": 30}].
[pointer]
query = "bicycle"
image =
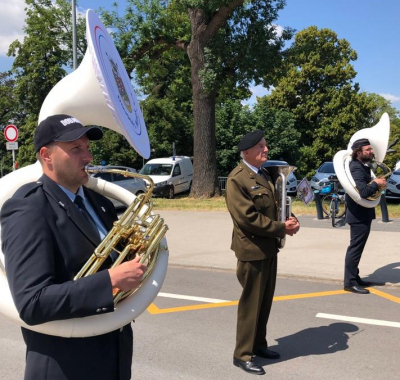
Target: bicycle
[{"x": 333, "y": 203}]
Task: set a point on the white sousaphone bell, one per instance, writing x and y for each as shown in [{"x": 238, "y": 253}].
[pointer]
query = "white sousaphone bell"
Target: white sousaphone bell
[
  {"x": 99, "y": 92},
  {"x": 378, "y": 136}
]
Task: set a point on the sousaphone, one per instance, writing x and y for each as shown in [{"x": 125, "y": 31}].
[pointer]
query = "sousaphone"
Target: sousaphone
[
  {"x": 378, "y": 136},
  {"x": 99, "y": 92}
]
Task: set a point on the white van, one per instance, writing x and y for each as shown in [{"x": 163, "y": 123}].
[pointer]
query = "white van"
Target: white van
[{"x": 171, "y": 175}]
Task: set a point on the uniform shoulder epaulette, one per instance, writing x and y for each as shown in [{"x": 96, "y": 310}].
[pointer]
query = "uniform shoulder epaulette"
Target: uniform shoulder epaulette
[
  {"x": 237, "y": 170},
  {"x": 27, "y": 189}
]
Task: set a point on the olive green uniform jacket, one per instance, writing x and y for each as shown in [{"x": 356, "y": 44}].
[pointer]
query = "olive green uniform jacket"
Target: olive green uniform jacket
[{"x": 251, "y": 202}]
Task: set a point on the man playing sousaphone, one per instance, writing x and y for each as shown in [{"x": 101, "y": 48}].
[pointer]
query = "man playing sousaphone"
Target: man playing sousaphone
[
  {"x": 49, "y": 229},
  {"x": 358, "y": 217}
]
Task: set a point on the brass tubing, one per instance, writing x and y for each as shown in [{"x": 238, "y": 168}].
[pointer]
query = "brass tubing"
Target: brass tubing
[{"x": 140, "y": 231}]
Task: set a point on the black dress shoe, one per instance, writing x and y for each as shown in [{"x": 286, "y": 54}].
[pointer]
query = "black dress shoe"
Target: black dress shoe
[
  {"x": 369, "y": 283},
  {"x": 356, "y": 289},
  {"x": 266, "y": 353},
  {"x": 249, "y": 367}
]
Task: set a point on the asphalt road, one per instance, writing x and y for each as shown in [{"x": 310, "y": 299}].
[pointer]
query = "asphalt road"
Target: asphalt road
[{"x": 193, "y": 338}]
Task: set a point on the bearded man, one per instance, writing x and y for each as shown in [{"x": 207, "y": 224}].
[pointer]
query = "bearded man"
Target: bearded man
[{"x": 358, "y": 217}]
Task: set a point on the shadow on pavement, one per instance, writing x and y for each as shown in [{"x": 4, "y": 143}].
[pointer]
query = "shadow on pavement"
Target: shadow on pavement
[
  {"x": 388, "y": 273},
  {"x": 313, "y": 341}
]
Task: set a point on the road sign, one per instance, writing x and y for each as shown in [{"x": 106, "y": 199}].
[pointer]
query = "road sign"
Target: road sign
[
  {"x": 11, "y": 133},
  {"x": 12, "y": 146}
]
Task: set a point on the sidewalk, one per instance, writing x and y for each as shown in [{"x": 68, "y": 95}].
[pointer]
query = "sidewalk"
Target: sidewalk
[{"x": 317, "y": 251}]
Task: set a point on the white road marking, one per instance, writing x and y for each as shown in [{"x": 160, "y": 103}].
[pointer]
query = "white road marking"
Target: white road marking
[
  {"x": 367, "y": 321},
  {"x": 190, "y": 298}
]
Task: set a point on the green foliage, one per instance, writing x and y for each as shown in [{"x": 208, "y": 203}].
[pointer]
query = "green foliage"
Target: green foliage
[
  {"x": 280, "y": 132},
  {"x": 317, "y": 88},
  {"x": 189, "y": 56},
  {"x": 8, "y": 104},
  {"x": 206, "y": 50},
  {"x": 40, "y": 59},
  {"x": 163, "y": 74},
  {"x": 7, "y": 97},
  {"x": 378, "y": 106},
  {"x": 114, "y": 149},
  {"x": 168, "y": 122},
  {"x": 232, "y": 122},
  {"x": 248, "y": 46},
  {"x": 40, "y": 62}
]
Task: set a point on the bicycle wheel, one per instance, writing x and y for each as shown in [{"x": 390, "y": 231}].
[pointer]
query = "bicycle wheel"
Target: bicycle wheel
[
  {"x": 341, "y": 207},
  {"x": 326, "y": 204}
]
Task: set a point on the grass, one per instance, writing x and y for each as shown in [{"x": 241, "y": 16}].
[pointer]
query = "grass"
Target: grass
[{"x": 184, "y": 203}]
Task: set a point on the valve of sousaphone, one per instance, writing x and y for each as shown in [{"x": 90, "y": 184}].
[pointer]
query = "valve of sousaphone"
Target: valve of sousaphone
[{"x": 100, "y": 92}]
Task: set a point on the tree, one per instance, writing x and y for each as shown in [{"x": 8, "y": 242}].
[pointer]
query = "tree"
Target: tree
[
  {"x": 7, "y": 113},
  {"x": 40, "y": 62},
  {"x": 170, "y": 125},
  {"x": 317, "y": 87},
  {"x": 227, "y": 45},
  {"x": 233, "y": 120},
  {"x": 280, "y": 131},
  {"x": 379, "y": 105}
]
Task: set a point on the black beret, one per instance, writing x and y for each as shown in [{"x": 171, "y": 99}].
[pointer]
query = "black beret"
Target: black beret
[
  {"x": 359, "y": 143},
  {"x": 250, "y": 139},
  {"x": 62, "y": 128}
]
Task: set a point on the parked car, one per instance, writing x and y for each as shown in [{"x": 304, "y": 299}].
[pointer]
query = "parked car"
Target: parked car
[
  {"x": 171, "y": 175},
  {"x": 134, "y": 185},
  {"x": 291, "y": 184},
  {"x": 393, "y": 185},
  {"x": 322, "y": 173}
]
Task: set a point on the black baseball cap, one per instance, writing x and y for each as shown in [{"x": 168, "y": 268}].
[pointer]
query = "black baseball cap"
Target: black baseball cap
[
  {"x": 62, "y": 128},
  {"x": 250, "y": 139}
]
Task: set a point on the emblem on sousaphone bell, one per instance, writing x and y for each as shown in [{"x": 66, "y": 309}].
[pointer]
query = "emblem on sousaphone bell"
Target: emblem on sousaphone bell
[{"x": 120, "y": 85}]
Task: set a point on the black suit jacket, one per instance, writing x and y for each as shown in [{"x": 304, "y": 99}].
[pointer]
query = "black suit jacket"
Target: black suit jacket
[
  {"x": 362, "y": 178},
  {"x": 46, "y": 240}
]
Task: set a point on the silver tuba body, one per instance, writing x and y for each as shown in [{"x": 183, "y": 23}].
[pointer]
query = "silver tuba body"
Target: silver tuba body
[
  {"x": 284, "y": 202},
  {"x": 378, "y": 136},
  {"x": 99, "y": 92}
]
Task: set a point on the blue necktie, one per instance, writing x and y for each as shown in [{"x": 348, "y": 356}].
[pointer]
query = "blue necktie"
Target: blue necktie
[{"x": 260, "y": 172}]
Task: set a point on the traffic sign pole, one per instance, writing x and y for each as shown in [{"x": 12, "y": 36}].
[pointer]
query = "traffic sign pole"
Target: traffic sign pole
[{"x": 11, "y": 135}]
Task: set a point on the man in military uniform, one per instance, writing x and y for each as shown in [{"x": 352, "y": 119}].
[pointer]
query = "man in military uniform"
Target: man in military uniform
[{"x": 250, "y": 197}]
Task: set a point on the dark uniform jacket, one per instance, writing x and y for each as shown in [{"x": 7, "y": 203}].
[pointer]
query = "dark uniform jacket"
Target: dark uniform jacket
[
  {"x": 46, "y": 241},
  {"x": 362, "y": 177},
  {"x": 251, "y": 203}
]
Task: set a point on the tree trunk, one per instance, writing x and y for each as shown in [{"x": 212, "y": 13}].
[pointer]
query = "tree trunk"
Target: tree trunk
[{"x": 205, "y": 181}]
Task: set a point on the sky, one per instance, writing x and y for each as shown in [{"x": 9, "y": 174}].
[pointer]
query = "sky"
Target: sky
[{"x": 371, "y": 27}]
